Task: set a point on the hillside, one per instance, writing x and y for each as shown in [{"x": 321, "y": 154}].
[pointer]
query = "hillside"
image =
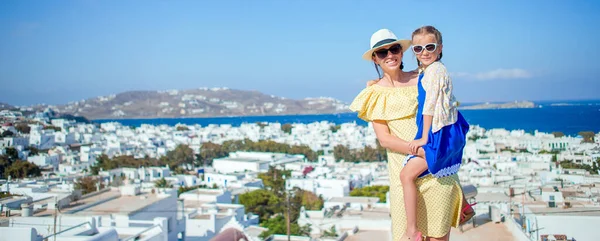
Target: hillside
[{"x": 203, "y": 102}]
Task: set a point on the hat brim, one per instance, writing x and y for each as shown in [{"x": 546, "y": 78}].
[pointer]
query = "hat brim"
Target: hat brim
[{"x": 403, "y": 42}]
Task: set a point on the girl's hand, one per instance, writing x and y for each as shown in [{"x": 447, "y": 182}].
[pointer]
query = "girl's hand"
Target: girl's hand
[{"x": 416, "y": 144}]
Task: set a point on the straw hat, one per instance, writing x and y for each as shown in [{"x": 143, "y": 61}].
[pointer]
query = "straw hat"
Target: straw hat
[{"x": 382, "y": 38}]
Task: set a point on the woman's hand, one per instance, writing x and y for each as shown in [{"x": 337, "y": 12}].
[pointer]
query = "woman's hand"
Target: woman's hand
[{"x": 372, "y": 82}]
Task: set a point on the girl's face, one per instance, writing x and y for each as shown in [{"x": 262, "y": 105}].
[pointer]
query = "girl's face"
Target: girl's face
[
  {"x": 426, "y": 48},
  {"x": 388, "y": 57}
]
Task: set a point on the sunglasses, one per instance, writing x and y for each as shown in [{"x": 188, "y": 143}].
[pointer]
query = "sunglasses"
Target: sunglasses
[
  {"x": 429, "y": 47},
  {"x": 382, "y": 53}
]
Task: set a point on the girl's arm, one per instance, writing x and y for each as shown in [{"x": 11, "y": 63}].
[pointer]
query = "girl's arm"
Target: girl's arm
[
  {"x": 433, "y": 81},
  {"x": 391, "y": 142}
]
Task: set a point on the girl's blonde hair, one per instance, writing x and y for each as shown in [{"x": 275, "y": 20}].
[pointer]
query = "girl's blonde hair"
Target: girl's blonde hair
[{"x": 429, "y": 30}]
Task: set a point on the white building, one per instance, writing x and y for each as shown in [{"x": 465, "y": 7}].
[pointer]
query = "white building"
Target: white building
[
  {"x": 109, "y": 214},
  {"x": 209, "y": 211},
  {"x": 253, "y": 161},
  {"x": 328, "y": 188},
  {"x": 14, "y": 141},
  {"x": 41, "y": 140},
  {"x": 577, "y": 223},
  {"x": 143, "y": 174},
  {"x": 45, "y": 160}
]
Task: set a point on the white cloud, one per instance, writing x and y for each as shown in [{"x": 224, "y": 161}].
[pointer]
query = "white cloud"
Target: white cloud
[{"x": 495, "y": 74}]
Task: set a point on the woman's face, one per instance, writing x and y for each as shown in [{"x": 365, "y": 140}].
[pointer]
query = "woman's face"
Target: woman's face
[
  {"x": 388, "y": 57},
  {"x": 426, "y": 48}
]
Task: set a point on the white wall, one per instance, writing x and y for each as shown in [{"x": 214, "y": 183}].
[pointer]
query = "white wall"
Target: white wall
[
  {"x": 161, "y": 208},
  {"x": 558, "y": 197},
  {"x": 21, "y": 234},
  {"x": 218, "y": 196},
  {"x": 225, "y": 165},
  {"x": 221, "y": 179},
  {"x": 579, "y": 227}
]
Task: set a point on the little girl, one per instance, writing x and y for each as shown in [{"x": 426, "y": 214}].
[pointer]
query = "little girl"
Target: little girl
[{"x": 442, "y": 129}]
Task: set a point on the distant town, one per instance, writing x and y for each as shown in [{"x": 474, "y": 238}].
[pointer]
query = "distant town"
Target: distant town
[
  {"x": 61, "y": 179},
  {"x": 207, "y": 102}
]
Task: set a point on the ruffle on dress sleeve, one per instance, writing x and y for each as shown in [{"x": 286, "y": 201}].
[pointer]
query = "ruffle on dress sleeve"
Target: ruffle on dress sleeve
[{"x": 385, "y": 103}]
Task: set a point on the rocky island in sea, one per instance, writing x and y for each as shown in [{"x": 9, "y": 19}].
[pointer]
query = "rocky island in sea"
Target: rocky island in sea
[{"x": 508, "y": 105}]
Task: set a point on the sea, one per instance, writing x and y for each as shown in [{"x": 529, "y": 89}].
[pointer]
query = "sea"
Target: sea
[{"x": 569, "y": 117}]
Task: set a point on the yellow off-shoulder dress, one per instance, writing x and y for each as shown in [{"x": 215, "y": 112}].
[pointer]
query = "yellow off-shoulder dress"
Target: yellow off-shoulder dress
[{"x": 439, "y": 199}]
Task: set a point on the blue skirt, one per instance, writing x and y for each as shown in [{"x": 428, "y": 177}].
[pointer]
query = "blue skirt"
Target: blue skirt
[{"x": 444, "y": 148}]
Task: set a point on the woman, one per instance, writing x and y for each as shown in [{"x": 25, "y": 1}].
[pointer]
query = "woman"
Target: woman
[{"x": 391, "y": 105}]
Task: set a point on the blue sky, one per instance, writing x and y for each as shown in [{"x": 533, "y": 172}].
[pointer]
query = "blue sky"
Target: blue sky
[{"x": 59, "y": 51}]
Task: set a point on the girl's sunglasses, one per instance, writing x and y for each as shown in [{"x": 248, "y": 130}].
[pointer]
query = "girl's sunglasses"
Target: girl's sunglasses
[
  {"x": 429, "y": 47},
  {"x": 382, "y": 53}
]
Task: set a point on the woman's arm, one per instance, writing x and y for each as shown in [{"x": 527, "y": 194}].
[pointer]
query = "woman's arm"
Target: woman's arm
[{"x": 391, "y": 142}]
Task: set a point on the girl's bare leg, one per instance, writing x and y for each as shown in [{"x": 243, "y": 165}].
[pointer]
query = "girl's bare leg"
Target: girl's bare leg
[{"x": 408, "y": 176}]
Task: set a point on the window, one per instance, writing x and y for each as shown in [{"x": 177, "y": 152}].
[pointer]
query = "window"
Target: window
[{"x": 551, "y": 197}]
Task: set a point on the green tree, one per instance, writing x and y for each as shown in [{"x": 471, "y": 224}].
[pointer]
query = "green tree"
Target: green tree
[
  {"x": 571, "y": 165},
  {"x": 558, "y": 134},
  {"x": 371, "y": 191},
  {"x": 277, "y": 225},
  {"x": 588, "y": 136},
  {"x": 369, "y": 154},
  {"x": 273, "y": 180},
  {"x": 5, "y": 194},
  {"x": 310, "y": 201},
  {"x": 103, "y": 162},
  {"x": 179, "y": 170},
  {"x": 341, "y": 152},
  {"x": 331, "y": 233},
  {"x": 33, "y": 151},
  {"x": 12, "y": 153},
  {"x": 235, "y": 145},
  {"x": 87, "y": 184},
  {"x": 475, "y": 137},
  {"x": 261, "y": 202},
  {"x": 182, "y": 154},
  {"x": 335, "y": 128},
  {"x": 51, "y": 127},
  {"x": 210, "y": 151},
  {"x": 295, "y": 203},
  {"x": 22, "y": 169},
  {"x": 381, "y": 152},
  {"x": 304, "y": 150},
  {"x": 7, "y": 133},
  {"x": 287, "y": 128},
  {"x": 5, "y": 162},
  {"x": 23, "y": 128},
  {"x": 182, "y": 128},
  {"x": 549, "y": 152},
  {"x": 162, "y": 183}
]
